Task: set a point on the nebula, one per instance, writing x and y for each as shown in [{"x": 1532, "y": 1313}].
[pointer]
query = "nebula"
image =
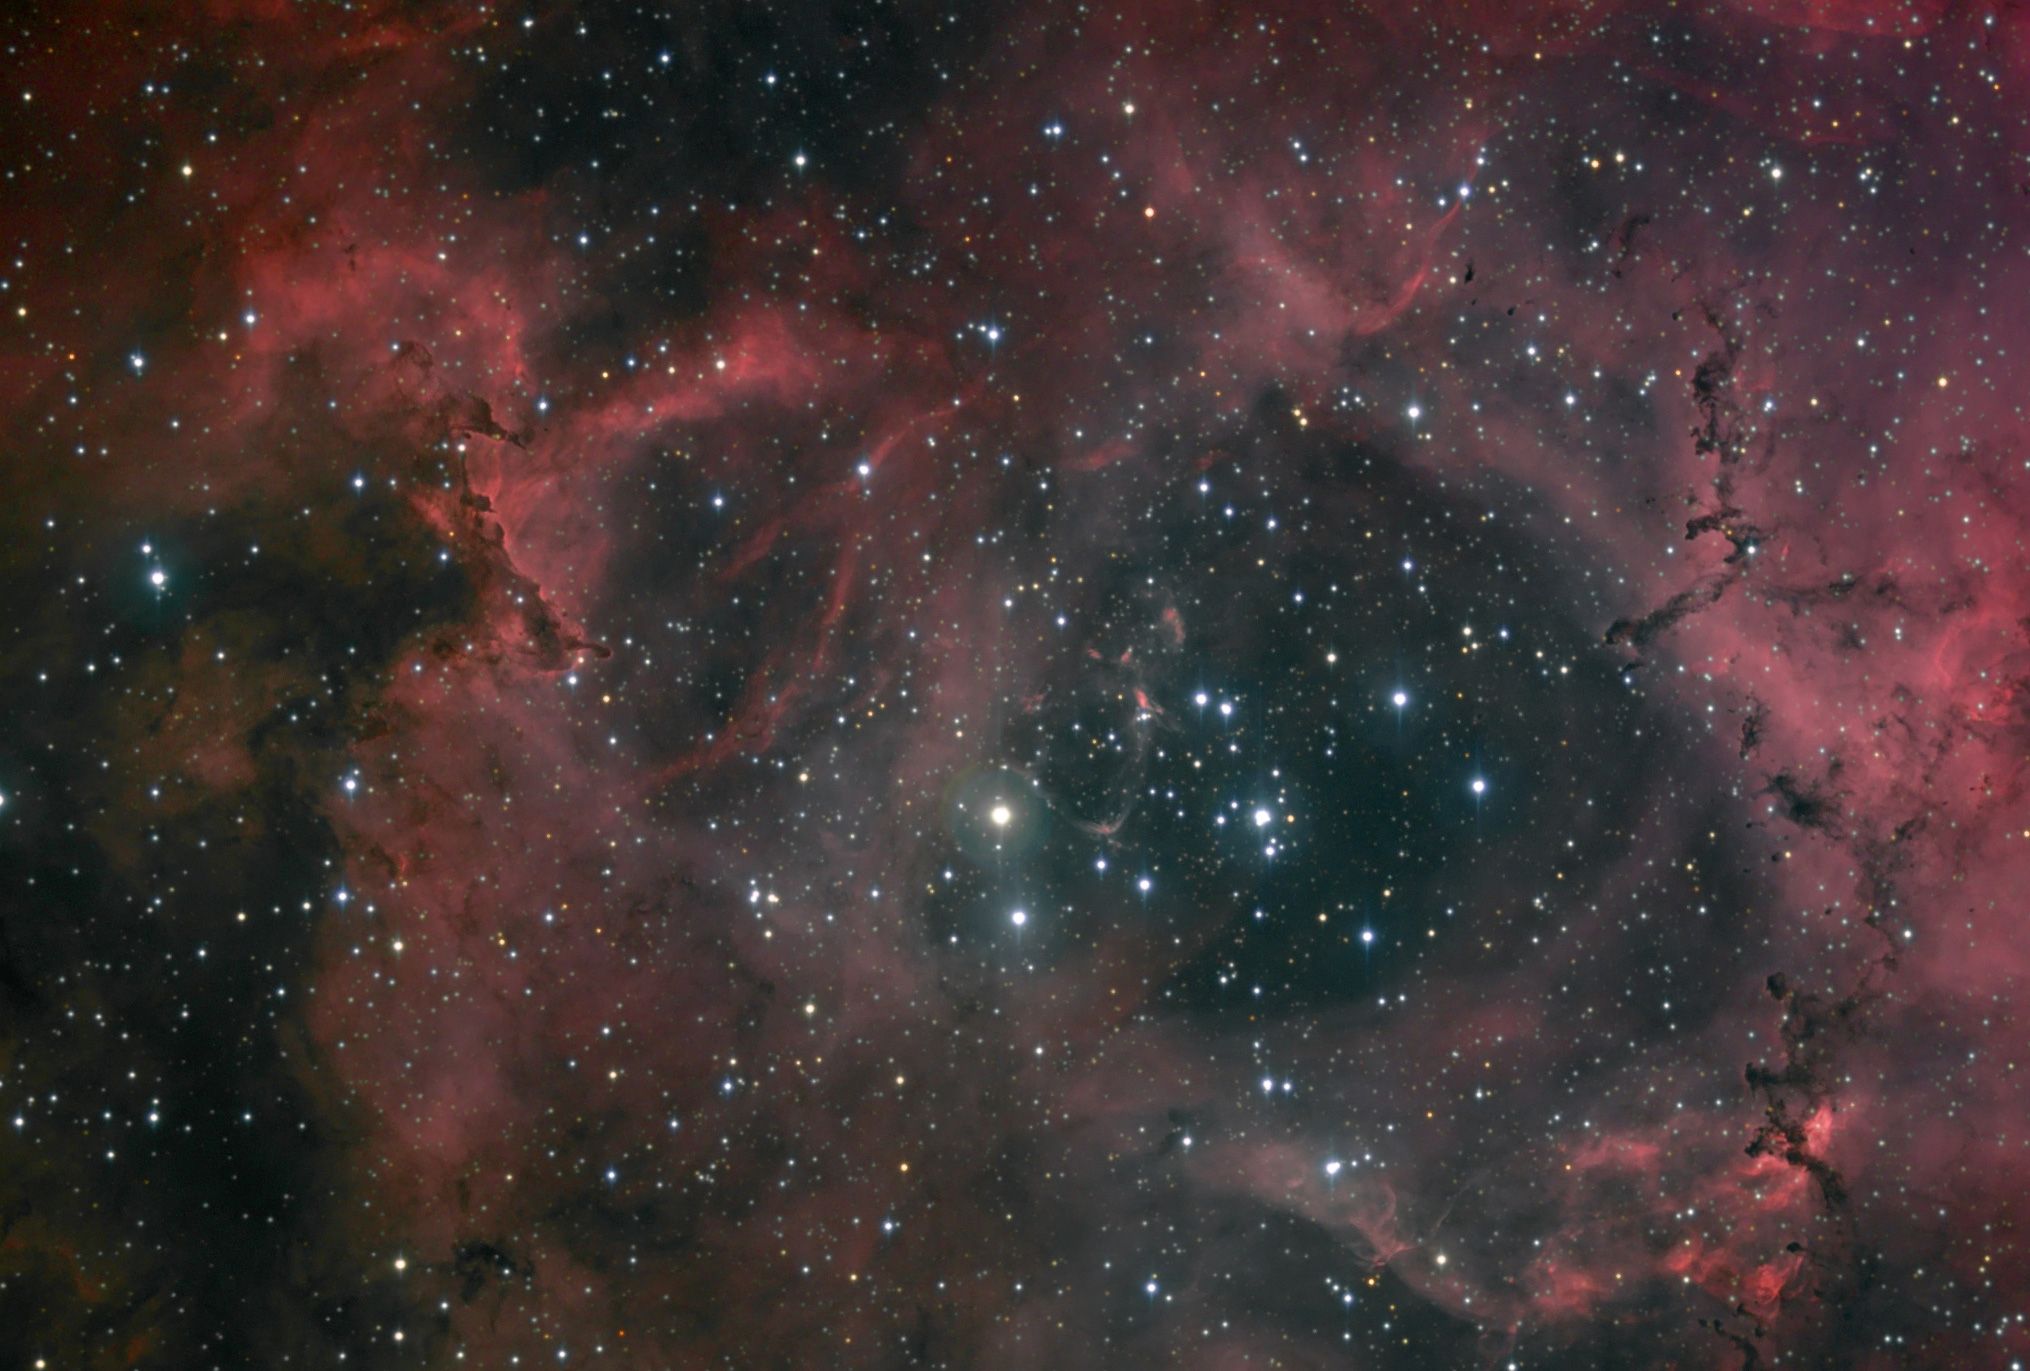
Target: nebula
[{"x": 840, "y": 684}]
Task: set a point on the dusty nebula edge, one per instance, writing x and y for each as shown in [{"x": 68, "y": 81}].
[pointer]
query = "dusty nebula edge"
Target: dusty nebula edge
[{"x": 862, "y": 684}]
